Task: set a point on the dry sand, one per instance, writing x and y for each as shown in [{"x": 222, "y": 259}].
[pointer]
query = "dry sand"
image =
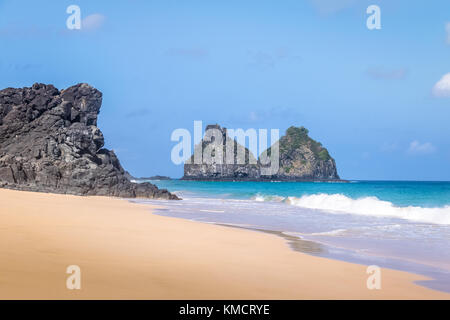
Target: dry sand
[{"x": 125, "y": 252}]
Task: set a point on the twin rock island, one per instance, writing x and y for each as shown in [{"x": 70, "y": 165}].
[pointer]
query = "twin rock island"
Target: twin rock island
[
  {"x": 50, "y": 142},
  {"x": 300, "y": 159}
]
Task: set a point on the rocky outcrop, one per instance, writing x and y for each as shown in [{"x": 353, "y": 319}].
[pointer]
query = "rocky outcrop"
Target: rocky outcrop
[
  {"x": 157, "y": 177},
  {"x": 300, "y": 159},
  {"x": 50, "y": 142},
  {"x": 217, "y": 169},
  {"x": 304, "y": 159}
]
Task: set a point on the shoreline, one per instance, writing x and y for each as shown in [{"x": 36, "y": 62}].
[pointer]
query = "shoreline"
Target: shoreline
[
  {"x": 127, "y": 252},
  {"x": 319, "y": 249}
]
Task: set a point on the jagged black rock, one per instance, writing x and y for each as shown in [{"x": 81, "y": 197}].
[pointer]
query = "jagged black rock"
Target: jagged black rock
[{"x": 50, "y": 142}]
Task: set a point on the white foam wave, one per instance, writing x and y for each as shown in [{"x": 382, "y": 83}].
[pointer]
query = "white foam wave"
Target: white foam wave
[
  {"x": 336, "y": 232},
  {"x": 262, "y": 198},
  {"x": 370, "y": 206}
]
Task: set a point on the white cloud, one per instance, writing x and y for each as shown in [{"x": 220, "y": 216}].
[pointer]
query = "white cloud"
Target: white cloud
[
  {"x": 92, "y": 22},
  {"x": 447, "y": 30},
  {"x": 418, "y": 148},
  {"x": 442, "y": 87}
]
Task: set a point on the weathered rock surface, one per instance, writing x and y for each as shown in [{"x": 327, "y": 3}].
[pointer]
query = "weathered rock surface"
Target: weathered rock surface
[
  {"x": 220, "y": 170},
  {"x": 49, "y": 142},
  {"x": 300, "y": 159}
]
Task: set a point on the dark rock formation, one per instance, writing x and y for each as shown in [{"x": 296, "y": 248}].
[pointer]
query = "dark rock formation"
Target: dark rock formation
[
  {"x": 300, "y": 159},
  {"x": 49, "y": 142},
  {"x": 220, "y": 170},
  {"x": 153, "y": 178}
]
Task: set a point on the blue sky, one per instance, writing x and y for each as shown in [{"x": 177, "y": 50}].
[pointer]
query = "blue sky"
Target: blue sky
[{"x": 367, "y": 95}]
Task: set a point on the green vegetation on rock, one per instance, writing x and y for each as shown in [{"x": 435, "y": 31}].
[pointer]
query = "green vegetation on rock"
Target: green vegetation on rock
[
  {"x": 301, "y": 158},
  {"x": 297, "y": 137},
  {"x": 324, "y": 155}
]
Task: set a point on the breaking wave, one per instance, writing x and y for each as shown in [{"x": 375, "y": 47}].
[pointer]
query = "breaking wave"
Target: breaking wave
[{"x": 367, "y": 206}]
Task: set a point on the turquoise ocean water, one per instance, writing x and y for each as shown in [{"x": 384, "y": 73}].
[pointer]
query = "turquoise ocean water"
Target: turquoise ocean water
[{"x": 400, "y": 225}]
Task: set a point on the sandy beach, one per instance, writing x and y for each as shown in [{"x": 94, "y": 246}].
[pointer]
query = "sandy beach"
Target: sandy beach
[{"x": 126, "y": 252}]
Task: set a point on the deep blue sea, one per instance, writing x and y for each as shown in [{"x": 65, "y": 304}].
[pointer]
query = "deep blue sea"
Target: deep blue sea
[{"x": 393, "y": 224}]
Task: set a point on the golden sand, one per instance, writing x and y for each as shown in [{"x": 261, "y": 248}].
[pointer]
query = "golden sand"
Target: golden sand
[{"x": 126, "y": 252}]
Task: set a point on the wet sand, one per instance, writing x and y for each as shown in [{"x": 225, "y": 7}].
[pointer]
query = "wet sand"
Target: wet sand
[{"x": 125, "y": 252}]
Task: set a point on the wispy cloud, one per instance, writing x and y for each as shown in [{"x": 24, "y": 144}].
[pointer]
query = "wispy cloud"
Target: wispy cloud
[
  {"x": 380, "y": 73},
  {"x": 93, "y": 22},
  {"x": 442, "y": 88},
  {"x": 418, "y": 148}
]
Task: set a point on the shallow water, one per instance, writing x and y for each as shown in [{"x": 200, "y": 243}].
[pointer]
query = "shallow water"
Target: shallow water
[{"x": 388, "y": 224}]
